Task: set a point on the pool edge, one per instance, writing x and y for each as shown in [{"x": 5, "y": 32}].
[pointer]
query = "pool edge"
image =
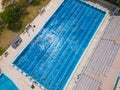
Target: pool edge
[
  {"x": 10, "y": 80},
  {"x": 16, "y": 67}
]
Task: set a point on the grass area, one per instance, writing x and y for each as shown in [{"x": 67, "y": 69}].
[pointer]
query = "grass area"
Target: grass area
[
  {"x": 31, "y": 12},
  {"x": 27, "y": 16},
  {"x": 1, "y": 51}
]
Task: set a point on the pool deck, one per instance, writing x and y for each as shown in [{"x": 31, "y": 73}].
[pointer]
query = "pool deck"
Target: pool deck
[
  {"x": 5, "y": 62},
  {"x": 21, "y": 80}
]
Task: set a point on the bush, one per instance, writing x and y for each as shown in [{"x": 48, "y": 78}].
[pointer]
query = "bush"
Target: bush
[
  {"x": 1, "y": 51},
  {"x": 119, "y": 3},
  {"x": 9, "y": 16},
  {"x": 35, "y": 2},
  {"x": 116, "y": 2},
  {"x": 4, "y": 2},
  {"x": 19, "y": 5},
  {"x": 15, "y": 26},
  {"x": 1, "y": 24}
]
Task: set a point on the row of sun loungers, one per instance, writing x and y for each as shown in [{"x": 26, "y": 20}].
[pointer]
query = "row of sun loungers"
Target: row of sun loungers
[
  {"x": 113, "y": 29},
  {"x": 100, "y": 62},
  {"x": 87, "y": 83},
  {"x": 102, "y": 59}
]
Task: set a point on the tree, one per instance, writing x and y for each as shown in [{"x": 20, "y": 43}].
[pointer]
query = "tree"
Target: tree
[
  {"x": 9, "y": 16},
  {"x": 7, "y": 2},
  {"x": 119, "y": 3},
  {"x": 19, "y": 4}
]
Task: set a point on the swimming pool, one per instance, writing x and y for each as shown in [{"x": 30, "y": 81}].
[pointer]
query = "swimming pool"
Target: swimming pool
[
  {"x": 52, "y": 55},
  {"x": 6, "y": 83}
]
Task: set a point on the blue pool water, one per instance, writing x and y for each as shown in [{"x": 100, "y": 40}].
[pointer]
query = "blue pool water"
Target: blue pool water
[
  {"x": 6, "y": 83},
  {"x": 52, "y": 55}
]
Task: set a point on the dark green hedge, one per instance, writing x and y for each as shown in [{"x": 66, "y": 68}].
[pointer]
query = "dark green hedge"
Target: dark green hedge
[
  {"x": 1, "y": 51},
  {"x": 116, "y": 2}
]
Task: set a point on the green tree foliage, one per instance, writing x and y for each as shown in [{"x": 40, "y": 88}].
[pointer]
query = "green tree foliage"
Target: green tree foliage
[
  {"x": 1, "y": 24},
  {"x": 119, "y": 3},
  {"x": 9, "y": 16},
  {"x": 15, "y": 26},
  {"x": 16, "y": 4},
  {"x": 19, "y": 5},
  {"x": 5, "y": 2}
]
